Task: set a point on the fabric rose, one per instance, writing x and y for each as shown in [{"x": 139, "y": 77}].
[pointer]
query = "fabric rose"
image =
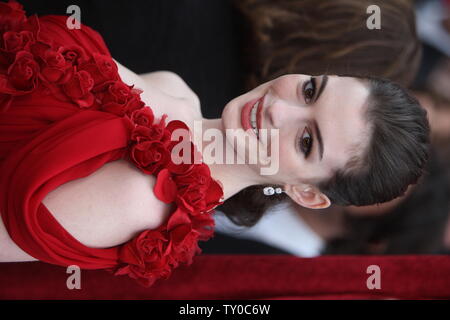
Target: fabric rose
[
  {"x": 22, "y": 73},
  {"x": 179, "y": 136},
  {"x": 146, "y": 257},
  {"x": 165, "y": 188},
  {"x": 182, "y": 163},
  {"x": 149, "y": 247},
  {"x": 150, "y": 156},
  {"x": 102, "y": 69},
  {"x": 151, "y": 133},
  {"x": 184, "y": 243},
  {"x": 204, "y": 225},
  {"x": 199, "y": 175},
  {"x": 119, "y": 98},
  {"x": 15, "y": 41},
  {"x": 192, "y": 199},
  {"x": 175, "y": 126},
  {"x": 54, "y": 68},
  {"x": 18, "y": 69},
  {"x": 12, "y": 16},
  {"x": 17, "y": 33},
  {"x": 199, "y": 193},
  {"x": 143, "y": 117},
  {"x": 214, "y": 197},
  {"x": 74, "y": 55},
  {"x": 78, "y": 89},
  {"x": 38, "y": 49}
]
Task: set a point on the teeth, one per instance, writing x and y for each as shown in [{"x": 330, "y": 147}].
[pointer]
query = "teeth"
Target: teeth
[{"x": 253, "y": 118}]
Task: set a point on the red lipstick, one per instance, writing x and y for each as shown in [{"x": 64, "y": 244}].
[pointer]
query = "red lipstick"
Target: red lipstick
[
  {"x": 259, "y": 113},
  {"x": 245, "y": 114}
]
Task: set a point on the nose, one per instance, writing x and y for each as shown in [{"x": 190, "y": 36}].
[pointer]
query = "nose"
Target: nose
[
  {"x": 280, "y": 113},
  {"x": 274, "y": 112}
]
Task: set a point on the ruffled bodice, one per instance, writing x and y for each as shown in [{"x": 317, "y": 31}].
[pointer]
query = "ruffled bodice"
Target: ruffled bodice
[{"x": 65, "y": 112}]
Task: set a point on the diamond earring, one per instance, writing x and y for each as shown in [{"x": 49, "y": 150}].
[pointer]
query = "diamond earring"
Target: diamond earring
[{"x": 269, "y": 191}]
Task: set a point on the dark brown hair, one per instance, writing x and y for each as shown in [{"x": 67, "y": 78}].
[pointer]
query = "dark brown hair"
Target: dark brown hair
[
  {"x": 328, "y": 37},
  {"x": 415, "y": 226}
]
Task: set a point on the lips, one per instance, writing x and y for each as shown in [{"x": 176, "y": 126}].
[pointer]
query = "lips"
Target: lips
[
  {"x": 259, "y": 113},
  {"x": 247, "y": 111}
]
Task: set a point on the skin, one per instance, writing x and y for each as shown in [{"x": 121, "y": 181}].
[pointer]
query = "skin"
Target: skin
[{"x": 339, "y": 113}]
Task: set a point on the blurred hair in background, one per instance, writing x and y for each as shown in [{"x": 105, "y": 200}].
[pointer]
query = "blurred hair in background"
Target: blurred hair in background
[{"x": 328, "y": 37}]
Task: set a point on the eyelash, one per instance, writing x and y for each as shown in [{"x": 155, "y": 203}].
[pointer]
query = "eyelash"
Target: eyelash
[
  {"x": 312, "y": 81},
  {"x": 302, "y": 139},
  {"x": 308, "y": 99}
]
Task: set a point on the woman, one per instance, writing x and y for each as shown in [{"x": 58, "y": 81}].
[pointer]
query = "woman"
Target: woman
[{"x": 72, "y": 124}]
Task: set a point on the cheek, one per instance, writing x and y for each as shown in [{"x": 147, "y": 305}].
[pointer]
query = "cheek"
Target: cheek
[
  {"x": 286, "y": 86},
  {"x": 291, "y": 162},
  {"x": 293, "y": 166},
  {"x": 229, "y": 115}
]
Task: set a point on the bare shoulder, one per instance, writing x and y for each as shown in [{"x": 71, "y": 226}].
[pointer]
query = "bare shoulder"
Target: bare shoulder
[
  {"x": 172, "y": 84},
  {"x": 166, "y": 92},
  {"x": 109, "y": 207}
]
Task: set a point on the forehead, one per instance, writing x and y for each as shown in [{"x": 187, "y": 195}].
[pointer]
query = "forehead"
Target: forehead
[{"x": 340, "y": 116}]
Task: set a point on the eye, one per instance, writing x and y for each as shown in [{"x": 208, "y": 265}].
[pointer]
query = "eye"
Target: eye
[
  {"x": 305, "y": 142},
  {"x": 309, "y": 90}
]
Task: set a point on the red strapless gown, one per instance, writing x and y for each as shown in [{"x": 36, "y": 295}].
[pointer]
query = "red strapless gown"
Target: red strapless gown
[{"x": 65, "y": 113}]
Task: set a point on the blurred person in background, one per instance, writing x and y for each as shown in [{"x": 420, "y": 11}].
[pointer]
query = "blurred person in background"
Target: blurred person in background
[{"x": 432, "y": 87}]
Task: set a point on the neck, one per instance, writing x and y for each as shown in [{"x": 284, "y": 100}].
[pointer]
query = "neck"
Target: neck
[{"x": 233, "y": 177}]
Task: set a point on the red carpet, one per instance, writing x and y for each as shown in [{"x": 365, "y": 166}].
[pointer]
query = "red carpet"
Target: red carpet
[{"x": 245, "y": 277}]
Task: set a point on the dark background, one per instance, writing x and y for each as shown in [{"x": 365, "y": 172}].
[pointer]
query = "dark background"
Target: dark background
[{"x": 199, "y": 40}]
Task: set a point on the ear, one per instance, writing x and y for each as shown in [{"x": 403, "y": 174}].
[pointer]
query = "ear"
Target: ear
[{"x": 307, "y": 196}]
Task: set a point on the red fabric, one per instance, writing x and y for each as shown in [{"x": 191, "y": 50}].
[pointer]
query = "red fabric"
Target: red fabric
[
  {"x": 64, "y": 113},
  {"x": 245, "y": 277}
]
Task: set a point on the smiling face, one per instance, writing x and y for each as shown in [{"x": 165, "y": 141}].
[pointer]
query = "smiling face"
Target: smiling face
[{"x": 320, "y": 121}]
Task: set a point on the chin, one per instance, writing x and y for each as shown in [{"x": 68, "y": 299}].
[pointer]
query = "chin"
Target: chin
[
  {"x": 230, "y": 115},
  {"x": 225, "y": 115}
]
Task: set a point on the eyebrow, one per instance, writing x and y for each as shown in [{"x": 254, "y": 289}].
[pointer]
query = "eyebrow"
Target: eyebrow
[
  {"x": 323, "y": 84},
  {"x": 315, "y": 125},
  {"x": 319, "y": 137}
]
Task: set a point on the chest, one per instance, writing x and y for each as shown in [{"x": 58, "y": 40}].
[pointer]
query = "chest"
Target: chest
[{"x": 162, "y": 103}]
